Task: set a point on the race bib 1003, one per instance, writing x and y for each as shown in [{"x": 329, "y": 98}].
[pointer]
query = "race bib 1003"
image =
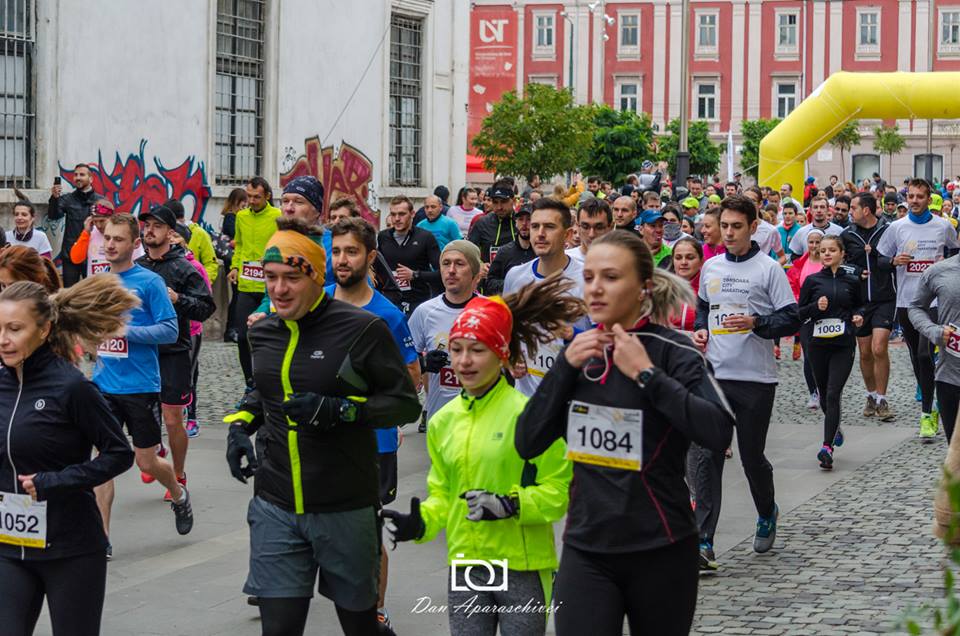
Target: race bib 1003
[
  {"x": 605, "y": 436},
  {"x": 720, "y": 312},
  {"x": 252, "y": 270},
  {"x": 829, "y": 328},
  {"x": 23, "y": 521}
]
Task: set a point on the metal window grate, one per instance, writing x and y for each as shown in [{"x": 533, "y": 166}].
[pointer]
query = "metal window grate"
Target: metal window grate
[
  {"x": 238, "y": 142},
  {"x": 17, "y": 116},
  {"x": 406, "y": 96}
]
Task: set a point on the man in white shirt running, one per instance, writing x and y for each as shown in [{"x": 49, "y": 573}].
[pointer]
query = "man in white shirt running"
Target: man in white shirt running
[{"x": 821, "y": 221}]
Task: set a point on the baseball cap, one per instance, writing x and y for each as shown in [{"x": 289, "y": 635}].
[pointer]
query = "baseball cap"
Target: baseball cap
[
  {"x": 936, "y": 202},
  {"x": 160, "y": 213},
  {"x": 690, "y": 202},
  {"x": 99, "y": 209},
  {"x": 525, "y": 210},
  {"x": 501, "y": 193},
  {"x": 650, "y": 216},
  {"x": 647, "y": 164}
]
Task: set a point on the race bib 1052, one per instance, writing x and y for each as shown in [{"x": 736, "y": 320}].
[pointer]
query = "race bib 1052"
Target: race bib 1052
[{"x": 23, "y": 521}]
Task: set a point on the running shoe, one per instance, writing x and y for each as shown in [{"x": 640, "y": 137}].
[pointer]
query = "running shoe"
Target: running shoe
[
  {"x": 935, "y": 415},
  {"x": 814, "y": 402},
  {"x": 708, "y": 560},
  {"x": 884, "y": 412},
  {"x": 183, "y": 512},
  {"x": 825, "y": 456},
  {"x": 180, "y": 480},
  {"x": 838, "y": 438},
  {"x": 928, "y": 428},
  {"x": 109, "y": 551},
  {"x": 193, "y": 429},
  {"x": 254, "y": 601},
  {"x": 383, "y": 622},
  {"x": 796, "y": 351},
  {"x": 422, "y": 427},
  {"x": 766, "y": 531},
  {"x": 148, "y": 478},
  {"x": 776, "y": 351},
  {"x": 870, "y": 409}
]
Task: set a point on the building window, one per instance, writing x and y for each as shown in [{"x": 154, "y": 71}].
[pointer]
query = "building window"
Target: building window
[
  {"x": 238, "y": 134},
  {"x": 629, "y": 33},
  {"x": 786, "y": 97},
  {"x": 787, "y": 28},
  {"x": 864, "y": 166},
  {"x": 950, "y": 30},
  {"x": 17, "y": 43},
  {"x": 406, "y": 94},
  {"x": 706, "y": 42},
  {"x": 706, "y": 100},
  {"x": 920, "y": 166},
  {"x": 868, "y": 34},
  {"x": 546, "y": 80},
  {"x": 544, "y": 33},
  {"x": 628, "y": 95}
]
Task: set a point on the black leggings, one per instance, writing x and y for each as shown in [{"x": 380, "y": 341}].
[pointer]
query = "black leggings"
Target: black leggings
[
  {"x": 247, "y": 303},
  {"x": 948, "y": 397},
  {"x": 921, "y": 357},
  {"x": 195, "y": 342},
  {"x": 806, "y": 335},
  {"x": 74, "y": 589},
  {"x": 831, "y": 367},
  {"x": 655, "y": 589},
  {"x": 752, "y": 404},
  {"x": 288, "y": 617}
]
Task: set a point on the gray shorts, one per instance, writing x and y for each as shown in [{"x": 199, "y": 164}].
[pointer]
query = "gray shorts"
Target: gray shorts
[{"x": 339, "y": 551}]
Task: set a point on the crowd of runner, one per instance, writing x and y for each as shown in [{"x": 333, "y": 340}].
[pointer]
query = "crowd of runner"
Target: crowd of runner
[{"x": 582, "y": 353}]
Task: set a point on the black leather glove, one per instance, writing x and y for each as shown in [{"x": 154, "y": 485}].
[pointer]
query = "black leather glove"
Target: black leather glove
[
  {"x": 238, "y": 447},
  {"x": 435, "y": 360},
  {"x": 405, "y": 527},
  {"x": 487, "y": 506},
  {"x": 320, "y": 411}
]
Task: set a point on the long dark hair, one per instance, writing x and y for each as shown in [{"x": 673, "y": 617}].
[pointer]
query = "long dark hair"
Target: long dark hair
[{"x": 539, "y": 311}]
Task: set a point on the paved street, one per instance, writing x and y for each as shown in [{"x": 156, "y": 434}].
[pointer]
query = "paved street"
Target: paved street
[{"x": 853, "y": 551}]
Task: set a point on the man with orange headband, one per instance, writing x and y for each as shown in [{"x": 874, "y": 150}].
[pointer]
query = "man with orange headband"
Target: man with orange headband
[{"x": 327, "y": 374}]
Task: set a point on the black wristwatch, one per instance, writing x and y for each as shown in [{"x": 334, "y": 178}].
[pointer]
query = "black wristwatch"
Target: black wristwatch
[{"x": 644, "y": 377}]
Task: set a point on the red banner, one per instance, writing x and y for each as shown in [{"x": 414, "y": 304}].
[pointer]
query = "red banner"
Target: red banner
[{"x": 493, "y": 61}]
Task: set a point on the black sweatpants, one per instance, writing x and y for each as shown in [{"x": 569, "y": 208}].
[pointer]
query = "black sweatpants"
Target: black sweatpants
[
  {"x": 195, "y": 342},
  {"x": 74, "y": 589},
  {"x": 948, "y": 397},
  {"x": 831, "y": 368},
  {"x": 705, "y": 474},
  {"x": 752, "y": 404},
  {"x": 655, "y": 589},
  {"x": 247, "y": 303},
  {"x": 921, "y": 356}
]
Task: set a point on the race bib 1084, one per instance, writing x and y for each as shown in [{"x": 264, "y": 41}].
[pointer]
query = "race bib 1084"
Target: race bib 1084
[
  {"x": 23, "y": 521},
  {"x": 605, "y": 436}
]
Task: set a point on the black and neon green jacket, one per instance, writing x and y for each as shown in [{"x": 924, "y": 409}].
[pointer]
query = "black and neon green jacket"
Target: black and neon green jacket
[{"x": 336, "y": 350}]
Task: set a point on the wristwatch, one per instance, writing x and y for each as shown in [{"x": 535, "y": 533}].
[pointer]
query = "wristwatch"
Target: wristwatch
[
  {"x": 644, "y": 377},
  {"x": 416, "y": 274}
]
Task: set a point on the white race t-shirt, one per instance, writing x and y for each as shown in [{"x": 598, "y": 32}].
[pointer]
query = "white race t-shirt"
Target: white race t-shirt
[
  {"x": 538, "y": 365},
  {"x": 430, "y": 326},
  {"x": 463, "y": 217},
  {"x": 757, "y": 285},
  {"x": 798, "y": 244},
  {"x": 576, "y": 254},
  {"x": 923, "y": 241},
  {"x": 768, "y": 238},
  {"x": 38, "y": 242}
]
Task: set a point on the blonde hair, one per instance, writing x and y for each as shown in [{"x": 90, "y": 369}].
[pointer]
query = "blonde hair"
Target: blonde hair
[{"x": 88, "y": 313}]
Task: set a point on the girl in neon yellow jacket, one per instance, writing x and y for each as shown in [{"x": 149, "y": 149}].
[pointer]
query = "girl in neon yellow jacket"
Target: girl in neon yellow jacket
[{"x": 497, "y": 509}]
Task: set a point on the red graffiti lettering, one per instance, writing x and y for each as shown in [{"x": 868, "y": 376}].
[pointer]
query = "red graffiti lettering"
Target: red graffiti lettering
[
  {"x": 347, "y": 174},
  {"x": 132, "y": 190}
]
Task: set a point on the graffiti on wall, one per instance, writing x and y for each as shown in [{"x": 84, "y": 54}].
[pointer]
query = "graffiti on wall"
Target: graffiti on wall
[
  {"x": 132, "y": 188},
  {"x": 346, "y": 174}
]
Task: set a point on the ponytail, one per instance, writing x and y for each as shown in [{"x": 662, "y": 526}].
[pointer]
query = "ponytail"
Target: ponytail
[
  {"x": 540, "y": 311},
  {"x": 88, "y": 313}
]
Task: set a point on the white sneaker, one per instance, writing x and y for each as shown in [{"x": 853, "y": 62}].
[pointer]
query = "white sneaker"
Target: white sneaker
[{"x": 814, "y": 402}]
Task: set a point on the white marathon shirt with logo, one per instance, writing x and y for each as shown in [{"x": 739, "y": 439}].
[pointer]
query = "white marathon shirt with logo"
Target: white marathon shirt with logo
[
  {"x": 767, "y": 237},
  {"x": 798, "y": 244},
  {"x": 923, "y": 241},
  {"x": 538, "y": 365},
  {"x": 430, "y": 326},
  {"x": 576, "y": 254},
  {"x": 757, "y": 285}
]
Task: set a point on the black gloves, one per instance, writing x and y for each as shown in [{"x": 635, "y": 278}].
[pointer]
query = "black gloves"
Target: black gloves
[
  {"x": 320, "y": 411},
  {"x": 405, "y": 527},
  {"x": 238, "y": 447},
  {"x": 488, "y": 506},
  {"x": 435, "y": 360}
]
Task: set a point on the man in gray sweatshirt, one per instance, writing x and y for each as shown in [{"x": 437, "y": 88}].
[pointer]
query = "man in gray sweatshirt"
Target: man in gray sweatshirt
[{"x": 941, "y": 283}]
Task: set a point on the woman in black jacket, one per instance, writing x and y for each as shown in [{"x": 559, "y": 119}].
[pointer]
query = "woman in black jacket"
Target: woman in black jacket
[
  {"x": 832, "y": 301},
  {"x": 628, "y": 397},
  {"x": 52, "y": 543}
]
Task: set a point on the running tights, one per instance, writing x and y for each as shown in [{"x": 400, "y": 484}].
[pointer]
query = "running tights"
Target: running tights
[
  {"x": 806, "y": 335},
  {"x": 247, "y": 303},
  {"x": 288, "y": 617},
  {"x": 831, "y": 368},
  {"x": 948, "y": 397},
  {"x": 921, "y": 357},
  {"x": 655, "y": 589},
  {"x": 752, "y": 404},
  {"x": 195, "y": 342},
  {"x": 524, "y": 589},
  {"x": 73, "y": 586}
]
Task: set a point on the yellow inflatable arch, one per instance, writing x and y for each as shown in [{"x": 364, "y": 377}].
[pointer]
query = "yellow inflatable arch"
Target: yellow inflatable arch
[{"x": 845, "y": 96}]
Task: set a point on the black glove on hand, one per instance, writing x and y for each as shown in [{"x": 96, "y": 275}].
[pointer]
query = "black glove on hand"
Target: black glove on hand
[
  {"x": 487, "y": 506},
  {"x": 404, "y": 527},
  {"x": 238, "y": 447},
  {"x": 320, "y": 411},
  {"x": 435, "y": 360}
]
